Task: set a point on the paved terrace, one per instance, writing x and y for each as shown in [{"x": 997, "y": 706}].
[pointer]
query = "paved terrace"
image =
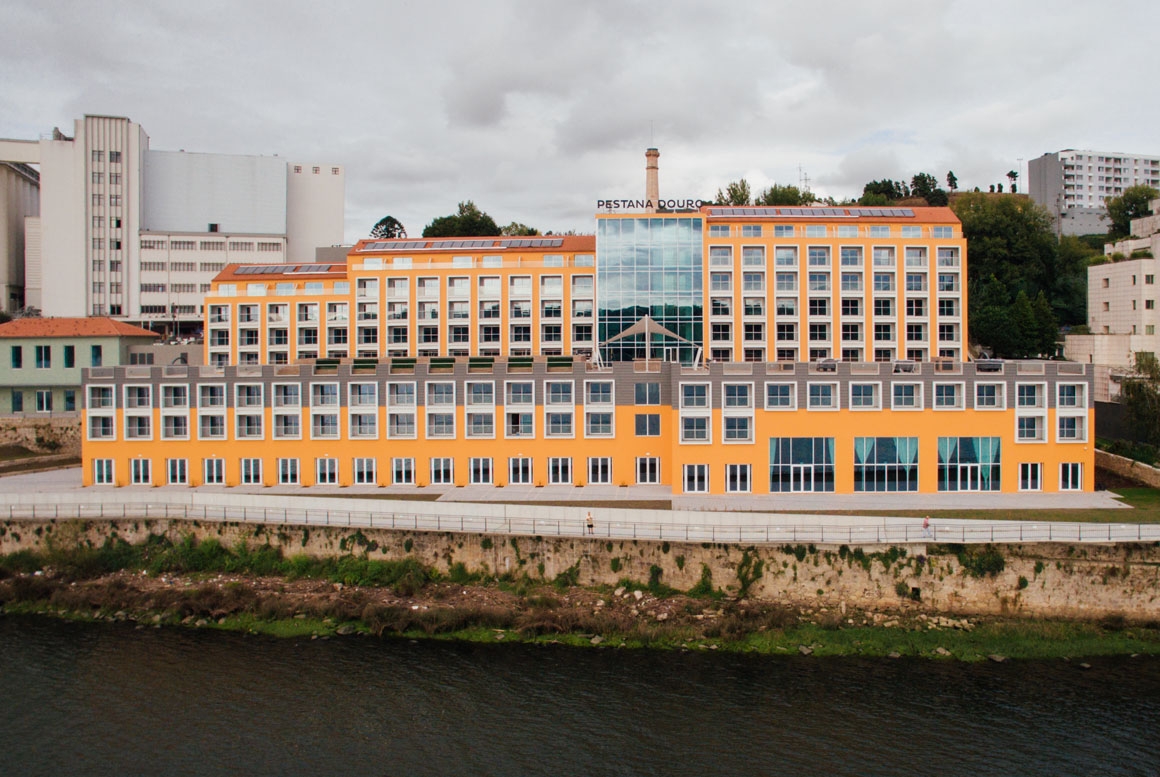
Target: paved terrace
[{"x": 58, "y": 494}]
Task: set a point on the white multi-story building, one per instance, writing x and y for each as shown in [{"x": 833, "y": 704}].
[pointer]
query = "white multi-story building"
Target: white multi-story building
[
  {"x": 1073, "y": 185},
  {"x": 137, "y": 234},
  {"x": 1122, "y": 306},
  {"x": 19, "y": 186}
]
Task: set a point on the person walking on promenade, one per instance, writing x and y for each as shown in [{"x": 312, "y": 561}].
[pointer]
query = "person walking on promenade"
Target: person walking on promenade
[
  {"x": 589, "y": 522},
  {"x": 926, "y": 526}
]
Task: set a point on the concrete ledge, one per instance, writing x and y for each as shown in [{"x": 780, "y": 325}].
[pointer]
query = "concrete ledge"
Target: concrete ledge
[{"x": 1128, "y": 468}]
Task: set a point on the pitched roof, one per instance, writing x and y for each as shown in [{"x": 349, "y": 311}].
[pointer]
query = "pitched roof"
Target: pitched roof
[
  {"x": 490, "y": 245},
  {"x": 72, "y": 327}
]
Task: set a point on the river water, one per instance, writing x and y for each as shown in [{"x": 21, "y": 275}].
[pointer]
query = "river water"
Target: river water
[{"x": 106, "y": 699}]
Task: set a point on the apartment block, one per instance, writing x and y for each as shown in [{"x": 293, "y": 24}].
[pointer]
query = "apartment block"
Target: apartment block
[{"x": 1074, "y": 184}]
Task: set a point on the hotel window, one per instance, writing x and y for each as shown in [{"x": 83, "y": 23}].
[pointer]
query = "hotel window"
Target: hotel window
[
  {"x": 948, "y": 282},
  {"x": 1071, "y": 429},
  {"x": 211, "y": 427},
  {"x": 1071, "y": 395},
  {"x": 440, "y": 425},
  {"x": 1030, "y": 476},
  {"x": 916, "y": 307},
  {"x": 598, "y": 393},
  {"x": 786, "y": 332},
  {"x": 287, "y": 426},
  {"x": 753, "y": 256},
  {"x": 175, "y": 427},
  {"x": 647, "y": 393},
  {"x": 1030, "y": 429},
  {"x": 720, "y": 256},
  {"x": 551, "y": 286},
  {"x": 819, "y": 306},
  {"x": 139, "y": 472},
  {"x": 558, "y": 424},
  {"x": 851, "y": 307},
  {"x": 948, "y": 396},
  {"x": 819, "y": 332},
  {"x": 969, "y": 463},
  {"x": 1071, "y": 477},
  {"x": 851, "y": 281},
  {"x": 213, "y": 472},
  {"x": 738, "y": 428},
  {"x": 521, "y": 308},
  {"x": 780, "y": 396},
  {"x": 288, "y": 472},
  {"x": 559, "y": 471},
  {"x": 101, "y": 427},
  {"x": 480, "y": 424},
  {"x": 942, "y": 233},
  {"x": 916, "y": 281},
  {"x": 364, "y": 425},
  {"x": 599, "y": 471},
  {"x": 582, "y": 308},
  {"x": 479, "y": 473},
  {"x": 1030, "y": 395},
  {"x": 694, "y": 395},
  {"x": 916, "y": 332},
  {"x": 648, "y": 470},
  {"x": 251, "y": 472},
  {"x": 718, "y": 230},
  {"x": 990, "y": 396},
  {"x": 694, "y": 429},
  {"x": 907, "y": 396},
  {"x": 598, "y": 424},
  {"x": 737, "y": 478},
  {"x": 754, "y": 306},
  {"x": 783, "y": 230},
  {"x": 851, "y": 257},
  {"x": 403, "y": 472},
  {"x": 818, "y": 256},
  {"x": 883, "y": 281},
  {"x": 787, "y": 306},
  {"x": 648, "y": 424},
  {"x": 851, "y": 332},
  {"x": 885, "y": 464},
  {"x": 736, "y": 395},
  {"x": 753, "y": 281},
  {"x": 720, "y": 281},
  {"x": 948, "y": 308},
  {"x": 520, "y": 471},
  {"x": 696, "y": 478},
  {"x": 364, "y": 472},
  {"x": 43, "y": 357},
  {"x": 750, "y": 230},
  {"x": 442, "y": 471},
  {"x": 786, "y": 281},
  {"x": 864, "y": 396},
  {"x": 400, "y": 425},
  {"x": 819, "y": 281},
  {"x": 785, "y": 256},
  {"x": 823, "y": 396}
]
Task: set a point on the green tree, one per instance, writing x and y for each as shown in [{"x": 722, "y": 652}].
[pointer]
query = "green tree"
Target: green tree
[
  {"x": 874, "y": 200},
  {"x": 736, "y": 193},
  {"x": 516, "y": 229},
  {"x": 784, "y": 195},
  {"x": 1140, "y": 396},
  {"x": 1132, "y": 204},
  {"x": 922, "y": 184},
  {"x": 388, "y": 227},
  {"x": 467, "y": 221},
  {"x": 891, "y": 190},
  {"x": 952, "y": 181},
  {"x": 1012, "y": 175},
  {"x": 1046, "y": 325},
  {"x": 938, "y": 198}
]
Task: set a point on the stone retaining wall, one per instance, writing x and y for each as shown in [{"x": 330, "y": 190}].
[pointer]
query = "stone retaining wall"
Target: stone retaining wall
[
  {"x": 1128, "y": 468},
  {"x": 1040, "y": 580},
  {"x": 56, "y": 434}
]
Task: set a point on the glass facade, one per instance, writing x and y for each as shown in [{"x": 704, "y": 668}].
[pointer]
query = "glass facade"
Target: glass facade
[
  {"x": 650, "y": 267},
  {"x": 801, "y": 464},
  {"x": 885, "y": 463},
  {"x": 968, "y": 463}
]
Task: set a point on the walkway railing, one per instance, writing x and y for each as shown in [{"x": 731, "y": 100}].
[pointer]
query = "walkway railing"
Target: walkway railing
[{"x": 966, "y": 532}]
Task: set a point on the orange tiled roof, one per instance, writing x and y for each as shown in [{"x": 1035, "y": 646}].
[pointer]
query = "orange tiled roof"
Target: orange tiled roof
[{"x": 72, "y": 327}]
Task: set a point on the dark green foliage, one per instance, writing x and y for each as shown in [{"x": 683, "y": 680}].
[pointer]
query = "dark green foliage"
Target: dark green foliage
[
  {"x": 467, "y": 221},
  {"x": 902, "y": 589},
  {"x": 486, "y": 543},
  {"x": 704, "y": 586},
  {"x": 655, "y": 586},
  {"x": 881, "y": 192},
  {"x": 388, "y": 227},
  {"x": 408, "y": 544},
  {"x": 458, "y": 573},
  {"x": 784, "y": 195},
  {"x": 980, "y": 562},
  {"x": 1140, "y": 396},
  {"x": 749, "y": 571},
  {"x": 736, "y": 193},
  {"x": 680, "y": 562},
  {"x": 665, "y": 547},
  {"x": 569, "y": 577},
  {"x": 1132, "y": 204},
  {"x": 1022, "y": 582},
  {"x": 615, "y": 564}
]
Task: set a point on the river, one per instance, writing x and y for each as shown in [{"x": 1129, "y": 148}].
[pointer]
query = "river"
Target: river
[{"x": 109, "y": 699}]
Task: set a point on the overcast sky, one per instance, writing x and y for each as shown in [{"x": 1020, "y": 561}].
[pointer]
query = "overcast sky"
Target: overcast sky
[{"x": 535, "y": 109}]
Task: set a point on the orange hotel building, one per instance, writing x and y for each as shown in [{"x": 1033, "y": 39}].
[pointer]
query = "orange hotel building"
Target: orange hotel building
[{"x": 716, "y": 350}]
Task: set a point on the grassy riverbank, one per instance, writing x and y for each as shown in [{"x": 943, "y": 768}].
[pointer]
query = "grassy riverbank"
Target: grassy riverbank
[{"x": 257, "y": 590}]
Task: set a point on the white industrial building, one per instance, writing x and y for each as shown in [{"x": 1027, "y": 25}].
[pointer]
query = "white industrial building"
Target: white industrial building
[
  {"x": 137, "y": 234},
  {"x": 1073, "y": 185},
  {"x": 19, "y": 199}
]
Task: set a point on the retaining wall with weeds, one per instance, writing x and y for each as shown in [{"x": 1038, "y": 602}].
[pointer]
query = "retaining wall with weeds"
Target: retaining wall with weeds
[{"x": 1034, "y": 580}]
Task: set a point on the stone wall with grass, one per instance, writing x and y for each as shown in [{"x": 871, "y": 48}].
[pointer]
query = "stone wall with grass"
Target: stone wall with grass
[{"x": 1034, "y": 580}]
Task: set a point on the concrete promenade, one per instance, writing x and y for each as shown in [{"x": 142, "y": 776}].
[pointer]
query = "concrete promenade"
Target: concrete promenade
[{"x": 58, "y": 494}]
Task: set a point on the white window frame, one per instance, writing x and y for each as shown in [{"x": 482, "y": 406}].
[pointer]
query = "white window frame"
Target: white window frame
[
  {"x": 652, "y": 469},
  {"x": 876, "y": 399},
  {"x": 213, "y": 472},
  {"x": 365, "y": 471},
  {"x": 835, "y": 395},
  {"x": 1066, "y": 482},
  {"x": 177, "y": 472},
  {"x": 516, "y": 473},
  {"x": 960, "y": 396},
  {"x": 445, "y": 466},
  {"x": 918, "y": 397},
  {"x": 701, "y": 478},
  {"x": 599, "y": 470},
  {"x": 104, "y": 472},
  {"x": 1026, "y": 466},
  {"x": 747, "y": 469},
  {"x": 474, "y": 476},
  {"x": 792, "y": 396},
  {"x": 1000, "y": 395},
  {"x": 141, "y": 472},
  {"x": 407, "y": 464},
  {"x": 251, "y": 471},
  {"x": 289, "y": 472},
  {"x": 555, "y": 466}
]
